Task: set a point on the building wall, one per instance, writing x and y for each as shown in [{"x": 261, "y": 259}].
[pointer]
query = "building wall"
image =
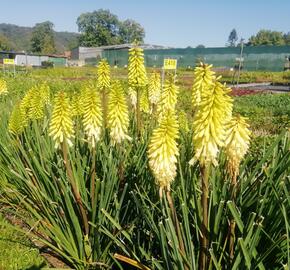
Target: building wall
[
  {"x": 75, "y": 54},
  {"x": 89, "y": 53},
  {"x": 84, "y": 53},
  {"x": 30, "y": 60},
  {"x": 58, "y": 61},
  {"x": 270, "y": 58},
  {"x": 36, "y": 60}
]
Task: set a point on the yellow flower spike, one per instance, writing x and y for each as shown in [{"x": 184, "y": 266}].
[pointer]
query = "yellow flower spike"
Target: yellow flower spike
[
  {"x": 3, "y": 87},
  {"x": 26, "y": 101},
  {"x": 136, "y": 68},
  {"x": 61, "y": 123},
  {"x": 154, "y": 88},
  {"x": 92, "y": 118},
  {"x": 36, "y": 109},
  {"x": 44, "y": 90},
  {"x": 214, "y": 112},
  {"x": 17, "y": 121},
  {"x": 183, "y": 121},
  {"x": 103, "y": 84},
  {"x": 133, "y": 97},
  {"x": 237, "y": 143},
  {"x": 144, "y": 101},
  {"x": 203, "y": 79},
  {"x": 77, "y": 104},
  {"x": 163, "y": 150},
  {"x": 168, "y": 97},
  {"x": 34, "y": 101},
  {"x": 103, "y": 79},
  {"x": 118, "y": 116}
]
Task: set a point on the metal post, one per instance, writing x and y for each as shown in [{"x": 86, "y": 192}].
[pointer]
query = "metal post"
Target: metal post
[
  {"x": 26, "y": 64},
  {"x": 240, "y": 62}
]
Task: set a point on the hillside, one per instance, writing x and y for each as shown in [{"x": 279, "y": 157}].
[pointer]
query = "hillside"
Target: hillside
[{"x": 19, "y": 37}]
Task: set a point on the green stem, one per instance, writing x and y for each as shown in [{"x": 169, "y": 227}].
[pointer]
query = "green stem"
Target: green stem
[
  {"x": 232, "y": 221},
  {"x": 121, "y": 167},
  {"x": 105, "y": 107},
  {"x": 204, "y": 240},
  {"x": 138, "y": 111},
  {"x": 176, "y": 222},
  {"x": 75, "y": 190},
  {"x": 93, "y": 177}
]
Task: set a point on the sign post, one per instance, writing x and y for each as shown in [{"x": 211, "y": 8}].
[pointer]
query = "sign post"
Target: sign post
[
  {"x": 168, "y": 64},
  {"x": 9, "y": 62}
]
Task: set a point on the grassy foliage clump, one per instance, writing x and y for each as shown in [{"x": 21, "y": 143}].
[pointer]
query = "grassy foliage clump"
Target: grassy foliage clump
[
  {"x": 17, "y": 251},
  {"x": 115, "y": 190}
]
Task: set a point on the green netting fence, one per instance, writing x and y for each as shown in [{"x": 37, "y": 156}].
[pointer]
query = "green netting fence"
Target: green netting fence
[{"x": 272, "y": 58}]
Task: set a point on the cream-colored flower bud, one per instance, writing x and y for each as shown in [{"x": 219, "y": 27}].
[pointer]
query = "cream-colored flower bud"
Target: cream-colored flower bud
[
  {"x": 203, "y": 78},
  {"x": 133, "y": 97},
  {"x": 154, "y": 88},
  {"x": 237, "y": 143},
  {"x": 92, "y": 116},
  {"x": 103, "y": 79},
  {"x": 118, "y": 116},
  {"x": 168, "y": 97},
  {"x": 136, "y": 68},
  {"x": 61, "y": 123},
  {"x": 209, "y": 122},
  {"x": 163, "y": 150}
]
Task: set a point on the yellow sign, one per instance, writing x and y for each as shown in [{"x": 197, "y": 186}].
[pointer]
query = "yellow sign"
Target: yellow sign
[
  {"x": 170, "y": 63},
  {"x": 8, "y": 61}
]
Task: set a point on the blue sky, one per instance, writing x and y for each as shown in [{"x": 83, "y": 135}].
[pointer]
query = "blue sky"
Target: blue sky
[{"x": 177, "y": 23}]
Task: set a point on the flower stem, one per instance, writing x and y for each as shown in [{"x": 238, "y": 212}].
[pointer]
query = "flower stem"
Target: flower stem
[
  {"x": 75, "y": 190},
  {"x": 232, "y": 221},
  {"x": 93, "y": 177},
  {"x": 204, "y": 241},
  {"x": 138, "y": 111},
  {"x": 105, "y": 107},
  {"x": 176, "y": 222}
]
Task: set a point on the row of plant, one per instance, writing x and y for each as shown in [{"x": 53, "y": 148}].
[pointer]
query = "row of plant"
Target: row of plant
[
  {"x": 282, "y": 77},
  {"x": 114, "y": 175}
]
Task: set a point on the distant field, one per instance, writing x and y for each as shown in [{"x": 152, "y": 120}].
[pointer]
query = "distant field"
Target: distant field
[{"x": 268, "y": 112}]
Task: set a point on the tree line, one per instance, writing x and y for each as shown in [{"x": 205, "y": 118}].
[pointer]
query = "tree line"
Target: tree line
[
  {"x": 262, "y": 38},
  {"x": 101, "y": 27},
  {"x": 97, "y": 28}
]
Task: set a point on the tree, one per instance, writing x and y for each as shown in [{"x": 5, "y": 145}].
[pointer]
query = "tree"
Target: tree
[
  {"x": 73, "y": 43},
  {"x": 287, "y": 38},
  {"x": 267, "y": 37},
  {"x": 4, "y": 43},
  {"x": 200, "y": 46},
  {"x": 233, "y": 38},
  {"x": 101, "y": 27},
  {"x": 130, "y": 30},
  {"x": 98, "y": 28},
  {"x": 42, "y": 40},
  {"x": 48, "y": 45}
]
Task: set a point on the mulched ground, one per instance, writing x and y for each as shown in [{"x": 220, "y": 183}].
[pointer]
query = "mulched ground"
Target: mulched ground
[{"x": 244, "y": 91}]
